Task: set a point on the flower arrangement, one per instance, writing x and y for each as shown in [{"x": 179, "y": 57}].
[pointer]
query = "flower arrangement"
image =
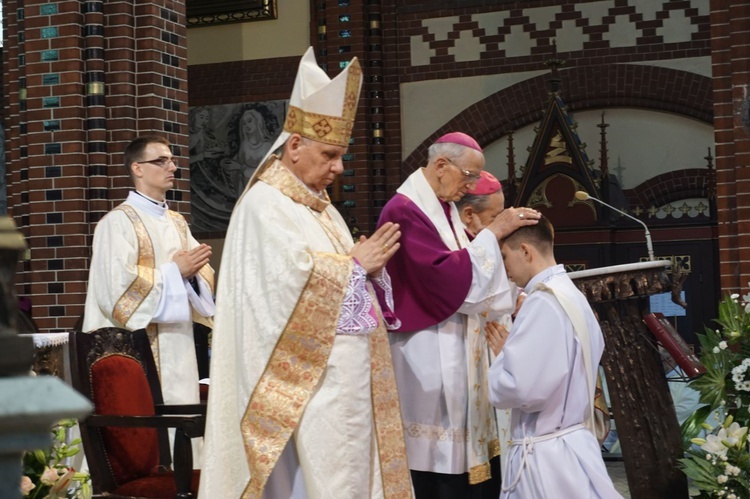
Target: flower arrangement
[
  {"x": 719, "y": 462},
  {"x": 46, "y": 474}
]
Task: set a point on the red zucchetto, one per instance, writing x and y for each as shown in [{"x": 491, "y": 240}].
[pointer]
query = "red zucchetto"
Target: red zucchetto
[
  {"x": 487, "y": 184},
  {"x": 460, "y": 139}
]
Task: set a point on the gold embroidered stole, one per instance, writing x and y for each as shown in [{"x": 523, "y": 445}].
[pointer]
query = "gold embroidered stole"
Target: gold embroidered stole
[
  {"x": 142, "y": 285},
  {"x": 300, "y": 357},
  {"x": 205, "y": 272}
]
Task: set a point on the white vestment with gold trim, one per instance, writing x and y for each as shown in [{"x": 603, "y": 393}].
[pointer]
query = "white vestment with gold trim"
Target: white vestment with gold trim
[
  {"x": 157, "y": 298},
  {"x": 272, "y": 247}
]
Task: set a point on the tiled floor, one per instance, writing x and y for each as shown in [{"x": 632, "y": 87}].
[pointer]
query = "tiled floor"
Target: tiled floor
[{"x": 616, "y": 470}]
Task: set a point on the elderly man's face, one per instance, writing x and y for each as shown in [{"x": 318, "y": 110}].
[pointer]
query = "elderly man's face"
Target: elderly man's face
[
  {"x": 319, "y": 164},
  {"x": 495, "y": 206},
  {"x": 458, "y": 175}
]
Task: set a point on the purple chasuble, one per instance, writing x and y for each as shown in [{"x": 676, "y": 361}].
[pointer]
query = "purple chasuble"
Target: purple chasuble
[{"x": 430, "y": 282}]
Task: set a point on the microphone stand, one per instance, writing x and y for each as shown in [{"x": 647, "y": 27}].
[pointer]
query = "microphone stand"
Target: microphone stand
[{"x": 583, "y": 196}]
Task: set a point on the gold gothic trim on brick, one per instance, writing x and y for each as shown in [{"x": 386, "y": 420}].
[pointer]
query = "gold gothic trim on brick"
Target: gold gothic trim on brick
[
  {"x": 558, "y": 151},
  {"x": 294, "y": 369},
  {"x": 95, "y": 88},
  {"x": 205, "y": 12},
  {"x": 144, "y": 282}
]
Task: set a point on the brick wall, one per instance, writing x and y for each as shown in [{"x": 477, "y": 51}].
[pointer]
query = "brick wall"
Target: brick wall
[
  {"x": 731, "y": 67},
  {"x": 585, "y": 87},
  {"x": 82, "y": 79},
  {"x": 338, "y": 34},
  {"x": 598, "y": 75}
]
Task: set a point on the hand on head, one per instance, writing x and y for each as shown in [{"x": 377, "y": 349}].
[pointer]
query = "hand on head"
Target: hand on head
[
  {"x": 190, "y": 262},
  {"x": 511, "y": 219},
  {"x": 373, "y": 253},
  {"x": 496, "y": 335}
]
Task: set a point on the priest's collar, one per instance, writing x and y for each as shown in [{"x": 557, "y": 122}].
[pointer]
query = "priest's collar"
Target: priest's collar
[
  {"x": 147, "y": 204},
  {"x": 277, "y": 175}
]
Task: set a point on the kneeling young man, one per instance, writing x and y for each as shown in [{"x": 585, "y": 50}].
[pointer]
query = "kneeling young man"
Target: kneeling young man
[{"x": 545, "y": 371}]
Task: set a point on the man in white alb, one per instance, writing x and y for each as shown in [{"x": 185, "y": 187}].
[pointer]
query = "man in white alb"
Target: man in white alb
[
  {"x": 545, "y": 372},
  {"x": 148, "y": 272}
]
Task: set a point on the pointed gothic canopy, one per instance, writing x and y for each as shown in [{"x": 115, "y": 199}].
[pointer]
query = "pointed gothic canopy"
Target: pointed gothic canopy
[{"x": 557, "y": 167}]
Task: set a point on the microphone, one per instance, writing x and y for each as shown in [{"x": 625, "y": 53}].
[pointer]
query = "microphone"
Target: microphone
[{"x": 583, "y": 196}]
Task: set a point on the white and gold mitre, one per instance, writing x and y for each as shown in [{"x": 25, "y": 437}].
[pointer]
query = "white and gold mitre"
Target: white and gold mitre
[{"x": 322, "y": 109}]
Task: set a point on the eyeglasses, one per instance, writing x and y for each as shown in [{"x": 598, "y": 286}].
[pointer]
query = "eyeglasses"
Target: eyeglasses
[
  {"x": 469, "y": 176},
  {"x": 161, "y": 162}
]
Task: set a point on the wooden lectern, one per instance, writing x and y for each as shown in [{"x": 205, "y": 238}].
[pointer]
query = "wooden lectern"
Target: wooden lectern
[{"x": 641, "y": 403}]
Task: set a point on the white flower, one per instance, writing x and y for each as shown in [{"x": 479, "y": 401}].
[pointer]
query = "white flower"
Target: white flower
[
  {"x": 747, "y": 308},
  {"x": 722, "y": 479},
  {"x": 716, "y": 350},
  {"x": 60, "y": 489},
  {"x": 731, "y": 470},
  {"x": 734, "y": 433},
  {"x": 723, "y": 345},
  {"x": 731, "y": 496},
  {"x": 713, "y": 445}
]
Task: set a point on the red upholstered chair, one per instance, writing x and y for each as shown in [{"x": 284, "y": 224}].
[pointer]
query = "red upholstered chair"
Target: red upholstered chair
[{"x": 125, "y": 439}]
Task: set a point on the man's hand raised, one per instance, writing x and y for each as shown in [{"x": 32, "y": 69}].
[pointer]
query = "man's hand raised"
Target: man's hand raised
[
  {"x": 190, "y": 262},
  {"x": 373, "y": 253}
]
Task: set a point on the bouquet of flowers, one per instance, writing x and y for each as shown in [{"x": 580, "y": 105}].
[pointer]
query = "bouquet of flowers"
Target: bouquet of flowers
[
  {"x": 719, "y": 464},
  {"x": 46, "y": 474}
]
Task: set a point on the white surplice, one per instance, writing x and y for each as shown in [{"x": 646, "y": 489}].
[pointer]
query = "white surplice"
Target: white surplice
[
  {"x": 276, "y": 240},
  {"x": 431, "y": 365},
  {"x": 168, "y": 306},
  {"x": 540, "y": 375}
]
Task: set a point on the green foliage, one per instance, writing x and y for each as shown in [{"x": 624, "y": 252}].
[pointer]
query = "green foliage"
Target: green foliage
[
  {"x": 719, "y": 464},
  {"x": 47, "y": 471}
]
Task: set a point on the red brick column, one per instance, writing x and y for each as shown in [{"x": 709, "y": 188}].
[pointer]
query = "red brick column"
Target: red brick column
[
  {"x": 731, "y": 67},
  {"x": 82, "y": 79}
]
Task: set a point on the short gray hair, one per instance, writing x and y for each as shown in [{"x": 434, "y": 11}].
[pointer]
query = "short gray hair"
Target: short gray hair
[
  {"x": 477, "y": 201},
  {"x": 448, "y": 149}
]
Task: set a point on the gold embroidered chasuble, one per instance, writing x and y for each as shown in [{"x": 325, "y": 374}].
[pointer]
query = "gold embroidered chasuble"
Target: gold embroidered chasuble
[
  {"x": 131, "y": 243},
  {"x": 281, "y": 375}
]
